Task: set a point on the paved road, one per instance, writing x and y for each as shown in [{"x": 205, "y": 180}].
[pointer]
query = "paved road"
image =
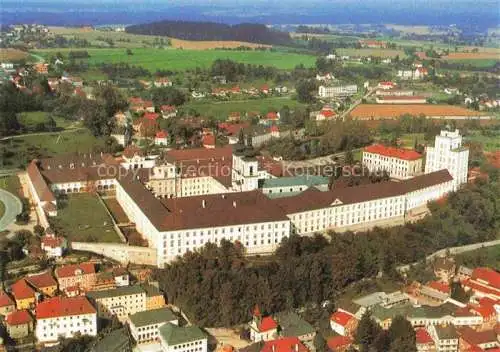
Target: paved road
[
  {"x": 13, "y": 207},
  {"x": 357, "y": 102}
]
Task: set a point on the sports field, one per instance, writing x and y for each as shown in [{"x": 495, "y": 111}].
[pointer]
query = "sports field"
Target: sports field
[{"x": 179, "y": 59}]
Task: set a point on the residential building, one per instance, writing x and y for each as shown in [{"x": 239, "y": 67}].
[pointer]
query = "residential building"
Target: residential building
[
  {"x": 286, "y": 186},
  {"x": 54, "y": 246},
  {"x": 121, "y": 301},
  {"x": 7, "y": 304},
  {"x": 445, "y": 337},
  {"x": 326, "y": 114},
  {"x": 162, "y": 82},
  {"x": 43, "y": 282},
  {"x": 80, "y": 275},
  {"x": 19, "y": 324},
  {"x": 65, "y": 317},
  {"x": 292, "y": 325},
  {"x": 262, "y": 328},
  {"x": 471, "y": 339},
  {"x": 418, "y": 73},
  {"x": 393, "y": 93},
  {"x": 484, "y": 282},
  {"x": 116, "y": 341},
  {"x": 121, "y": 276},
  {"x": 424, "y": 341},
  {"x": 448, "y": 153},
  {"x": 24, "y": 294},
  {"x": 343, "y": 322},
  {"x": 174, "y": 338},
  {"x": 340, "y": 343},
  {"x": 104, "y": 281},
  {"x": 154, "y": 297},
  {"x": 144, "y": 325},
  {"x": 337, "y": 90},
  {"x": 399, "y": 163},
  {"x": 387, "y": 85},
  {"x": 435, "y": 291}
]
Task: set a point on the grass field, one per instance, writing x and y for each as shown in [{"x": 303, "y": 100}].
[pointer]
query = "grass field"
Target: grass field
[
  {"x": 25, "y": 148},
  {"x": 2, "y": 209},
  {"x": 384, "y": 53},
  {"x": 177, "y": 59},
  {"x": 10, "y": 54},
  {"x": 32, "y": 118},
  {"x": 128, "y": 40},
  {"x": 489, "y": 257},
  {"x": 84, "y": 219},
  {"x": 221, "y": 110},
  {"x": 10, "y": 184},
  {"x": 490, "y": 143},
  {"x": 479, "y": 63}
]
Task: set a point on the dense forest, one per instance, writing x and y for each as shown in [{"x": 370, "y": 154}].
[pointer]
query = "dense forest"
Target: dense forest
[
  {"x": 218, "y": 285},
  {"x": 245, "y": 32}
]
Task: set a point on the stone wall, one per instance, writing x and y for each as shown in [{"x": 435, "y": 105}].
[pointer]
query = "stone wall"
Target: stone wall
[{"x": 122, "y": 253}]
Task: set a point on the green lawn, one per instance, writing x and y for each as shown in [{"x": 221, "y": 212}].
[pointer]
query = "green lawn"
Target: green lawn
[
  {"x": 479, "y": 63},
  {"x": 10, "y": 184},
  {"x": 20, "y": 150},
  {"x": 221, "y": 110},
  {"x": 2, "y": 209},
  {"x": 32, "y": 118},
  {"x": 490, "y": 143},
  {"x": 407, "y": 139},
  {"x": 83, "y": 218},
  {"x": 178, "y": 59}
]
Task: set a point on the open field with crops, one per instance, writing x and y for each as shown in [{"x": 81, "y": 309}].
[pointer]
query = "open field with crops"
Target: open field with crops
[
  {"x": 128, "y": 40},
  {"x": 382, "y": 111},
  {"x": 11, "y": 54},
  {"x": 177, "y": 59}
]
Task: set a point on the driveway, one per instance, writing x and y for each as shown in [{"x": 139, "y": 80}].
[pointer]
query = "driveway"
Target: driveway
[{"x": 13, "y": 207}]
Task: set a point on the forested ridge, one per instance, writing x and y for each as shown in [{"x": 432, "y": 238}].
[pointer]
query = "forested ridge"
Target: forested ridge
[
  {"x": 244, "y": 32},
  {"x": 218, "y": 285}
]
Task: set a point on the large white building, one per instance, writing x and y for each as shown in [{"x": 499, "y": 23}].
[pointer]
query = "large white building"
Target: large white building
[
  {"x": 340, "y": 90},
  {"x": 64, "y": 317},
  {"x": 448, "y": 153},
  {"x": 144, "y": 325},
  {"x": 119, "y": 302},
  {"x": 398, "y": 163}
]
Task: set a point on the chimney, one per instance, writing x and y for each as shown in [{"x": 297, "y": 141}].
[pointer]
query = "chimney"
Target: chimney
[
  {"x": 203, "y": 203},
  {"x": 234, "y": 204}
]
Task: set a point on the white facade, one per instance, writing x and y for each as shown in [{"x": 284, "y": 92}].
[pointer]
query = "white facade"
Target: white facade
[
  {"x": 449, "y": 154},
  {"x": 147, "y": 333},
  {"x": 49, "y": 329},
  {"x": 396, "y": 167},
  {"x": 245, "y": 173},
  {"x": 337, "y": 91}
]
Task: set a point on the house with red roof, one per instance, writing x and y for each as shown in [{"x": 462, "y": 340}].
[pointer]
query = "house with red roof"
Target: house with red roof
[
  {"x": 82, "y": 275},
  {"x": 264, "y": 89},
  {"x": 399, "y": 163},
  {"x": 19, "y": 324},
  {"x": 43, "y": 282},
  {"x": 326, "y": 114},
  {"x": 162, "y": 82},
  {"x": 161, "y": 138},
  {"x": 285, "y": 344},
  {"x": 208, "y": 141},
  {"x": 271, "y": 117},
  {"x": 343, "y": 322},
  {"x": 484, "y": 282},
  {"x": 7, "y": 304},
  {"x": 24, "y": 294},
  {"x": 66, "y": 317},
  {"x": 54, "y": 246},
  {"x": 424, "y": 341},
  {"x": 474, "y": 340},
  {"x": 385, "y": 85},
  {"x": 262, "y": 328},
  {"x": 168, "y": 111}
]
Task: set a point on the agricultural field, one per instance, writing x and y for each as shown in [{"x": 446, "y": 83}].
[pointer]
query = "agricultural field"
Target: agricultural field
[
  {"x": 383, "y": 111},
  {"x": 178, "y": 60},
  {"x": 10, "y": 54},
  {"x": 383, "y": 53},
  {"x": 84, "y": 219},
  {"x": 221, "y": 110},
  {"x": 129, "y": 40},
  {"x": 18, "y": 151}
]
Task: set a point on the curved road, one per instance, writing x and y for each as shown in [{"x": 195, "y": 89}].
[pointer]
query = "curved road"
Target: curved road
[{"x": 13, "y": 207}]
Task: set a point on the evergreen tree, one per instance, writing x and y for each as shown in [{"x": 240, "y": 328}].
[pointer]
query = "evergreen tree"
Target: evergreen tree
[
  {"x": 366, "y": 332},
  {"x": 402, "y": 335},
  {"x": 320, "y": 343}
]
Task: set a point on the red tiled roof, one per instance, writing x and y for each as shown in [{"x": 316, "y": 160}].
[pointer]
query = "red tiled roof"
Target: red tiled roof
[
  {"x": 132, "y": 150},
  {"x": 70, "y": 270},
  {"x": 52, "y": 241},
  {"x": 474, "y": 337},
  {"x": 21, "y": 290},
  {"x": 19, "y": 317},
  {"x": 272, "y": 115},
  {"x": 341, "y": 317},
  {"x": 167, "y": 108},
  {"x": 439, "y": 286},
  {"x": 162, "y": 134},
  {"x": 42, "y": 280},
  {"x": 209, "y": 139},
  {"x": 481, "y": 288},
  {"x": 486, "y": 311},
  {"x": 235, "y": 89},
  {"x": 487, "y": 275},
  {"x": 42, "y": 189},
  {"x": 150, "y": 116},
  {"x": 233, "y": 129},
  {"x": 274, "y": 128},
  {"x": 338, "y": 342},
  {"x": 201, "y": 154},
  {"x": 267, "y": 323},
  {"x": 393, "y": 152},
  {"x": 5, "y": 299},
  {"x": 286, "y": 344},
  {"x": 423, "y": 337},
  {"x": 63, "y": 306},
  {"x": 327, "y": 113},
  {"x": 148, "y": 103}
]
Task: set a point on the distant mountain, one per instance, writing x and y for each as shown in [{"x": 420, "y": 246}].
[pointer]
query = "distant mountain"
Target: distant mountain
[{"x": 244, "y": 32}]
